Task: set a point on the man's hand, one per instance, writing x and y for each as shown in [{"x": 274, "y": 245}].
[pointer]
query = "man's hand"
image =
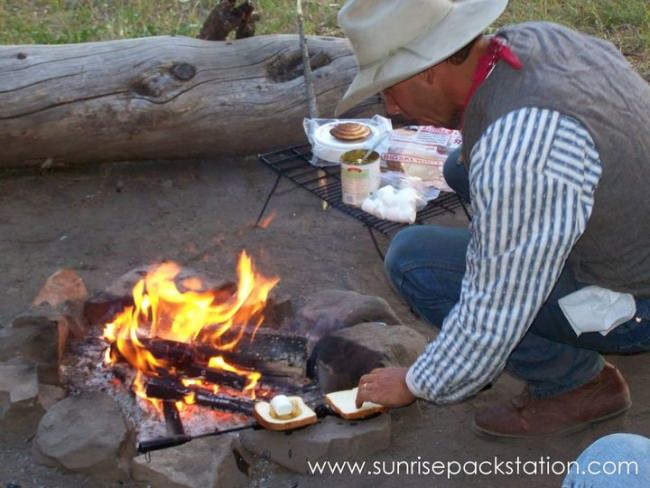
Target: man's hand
[{"x": 385, "y": 386}]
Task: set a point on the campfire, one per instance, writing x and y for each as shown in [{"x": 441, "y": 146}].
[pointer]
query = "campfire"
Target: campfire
[
  {"x": 166, "y": 356},
  {"x": 190, "y": 351}
]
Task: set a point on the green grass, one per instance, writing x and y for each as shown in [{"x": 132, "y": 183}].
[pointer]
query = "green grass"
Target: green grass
[{"x": 624, "y": 22}]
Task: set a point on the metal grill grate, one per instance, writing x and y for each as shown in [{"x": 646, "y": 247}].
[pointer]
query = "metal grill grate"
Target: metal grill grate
[{"x": 293, "y": 163}]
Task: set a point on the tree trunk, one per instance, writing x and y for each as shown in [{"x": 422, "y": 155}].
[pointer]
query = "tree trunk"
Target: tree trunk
[{"x": 163, "y": 98}]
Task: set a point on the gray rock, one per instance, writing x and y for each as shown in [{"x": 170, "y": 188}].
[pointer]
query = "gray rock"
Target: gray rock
[
  {"x": 344, "y": 356},
  {"x": 202, "y": 463},
  {"x": 19, "y": 408},
  {"x": 18, "y": 378},
  {"x": 41, "y": 332},
  {"x": 49, "y": 395},
  {"x": 33, "y": 336},
  {"x": 330, "y": 310},
  {"x": 65, "y": 293},
  {"x": 332, "y": 439},
  {"x": 86, "y": 434}
]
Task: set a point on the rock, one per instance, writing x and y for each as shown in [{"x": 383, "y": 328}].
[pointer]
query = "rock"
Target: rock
[
  {"x": 35, "y": 337},
  {"x": 40, "y": 334},
  {"x": 19, "y": 379},
  {"x": 48, "y": 395},
  {"x": 65, "y": 292},
  {"x": 342, "y": 357},
  {"x": 41, "y": 316},
  {"x": 63, "y": 286},
  {"x": 202, "y": 463},
  {"x": 19, "y": 407},
  {"x": 330, "y": 310},
  {"x": 86, "y": 434},
  {"x": 278, "y": 312},
  {"x": 102, "y": 307},
  {"x": 332, "y": 439}
]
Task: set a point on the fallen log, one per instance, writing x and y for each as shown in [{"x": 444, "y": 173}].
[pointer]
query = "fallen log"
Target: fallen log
[{"x": 163, "y": 97}]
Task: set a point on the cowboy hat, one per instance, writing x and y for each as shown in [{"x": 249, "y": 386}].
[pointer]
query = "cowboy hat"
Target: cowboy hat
[{"x": 396, "y": 39}]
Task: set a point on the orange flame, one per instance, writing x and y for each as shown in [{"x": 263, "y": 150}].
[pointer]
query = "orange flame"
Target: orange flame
[{"x": 162, "y": 311}]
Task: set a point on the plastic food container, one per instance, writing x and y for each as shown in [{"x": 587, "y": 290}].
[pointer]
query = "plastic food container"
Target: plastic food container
[
  {"x": 327, "y": 150},
  {"x": 359, "y": 179}
]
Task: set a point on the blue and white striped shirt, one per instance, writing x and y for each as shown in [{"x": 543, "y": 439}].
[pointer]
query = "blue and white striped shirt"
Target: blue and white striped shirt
[{"x": 533, "y": 175}]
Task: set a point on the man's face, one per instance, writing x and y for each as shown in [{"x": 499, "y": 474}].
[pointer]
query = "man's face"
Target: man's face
[{"x": 421, "y": 98}]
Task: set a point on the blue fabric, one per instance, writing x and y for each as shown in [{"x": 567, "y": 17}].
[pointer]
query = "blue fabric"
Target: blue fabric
[
  {"x": 455, "y": 174},
  {"x": 615, "y": 461},
  {"x": 426, "y": 264}
]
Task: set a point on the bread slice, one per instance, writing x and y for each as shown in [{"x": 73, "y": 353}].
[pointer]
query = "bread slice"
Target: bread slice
[
  {"x": 344, "y": 403},
  {"x": 262, "y": 413}
]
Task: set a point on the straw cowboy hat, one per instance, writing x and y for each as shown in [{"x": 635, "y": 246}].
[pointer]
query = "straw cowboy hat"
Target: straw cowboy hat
[{"x": 397, "y": 39}]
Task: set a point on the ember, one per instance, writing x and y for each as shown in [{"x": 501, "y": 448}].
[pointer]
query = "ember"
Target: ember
[{"x": 182, "y": 343}]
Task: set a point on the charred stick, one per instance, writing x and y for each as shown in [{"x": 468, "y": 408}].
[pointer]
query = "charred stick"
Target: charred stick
[
  {"x": 173, "y": 419},
  {"x": 191, "y": 370},
  {"x": 270, "y": 354},
  {"x": 218, "y": 377},
  {"x": 170, "y": 389},
  {"x": 229, "y": 404},
  {"x": 166, "y": 389},
  {"x": 266, "y": 347}
]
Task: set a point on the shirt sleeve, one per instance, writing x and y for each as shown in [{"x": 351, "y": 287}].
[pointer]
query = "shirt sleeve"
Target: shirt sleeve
[{"x": 532, "y": 176}]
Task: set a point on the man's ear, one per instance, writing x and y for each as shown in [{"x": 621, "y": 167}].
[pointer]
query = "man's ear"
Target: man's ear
[
  {"x": 392, "y": 108},
  {"x": 430, "y": 75}
]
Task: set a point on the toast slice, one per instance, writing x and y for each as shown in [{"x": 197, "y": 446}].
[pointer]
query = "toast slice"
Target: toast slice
[
  {"x": 262, "y": 413},
  {"x": 344, "y": 404}
]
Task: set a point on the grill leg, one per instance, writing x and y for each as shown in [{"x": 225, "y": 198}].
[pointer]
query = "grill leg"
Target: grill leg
[
  {"x": 268, "y": 199},
  {"x": 374, "y": 241}
]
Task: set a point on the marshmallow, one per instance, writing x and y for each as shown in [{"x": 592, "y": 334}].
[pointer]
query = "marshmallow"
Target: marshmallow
[
  {"x": 281, "y": 406},
  {"x": 394, "y": 205}
]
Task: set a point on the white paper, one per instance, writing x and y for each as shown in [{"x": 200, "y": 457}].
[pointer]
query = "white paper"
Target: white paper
[{"x": 596, "y": 309}]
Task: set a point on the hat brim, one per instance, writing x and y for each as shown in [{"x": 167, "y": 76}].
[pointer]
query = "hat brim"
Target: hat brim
[{"x": 465, "y": 21}]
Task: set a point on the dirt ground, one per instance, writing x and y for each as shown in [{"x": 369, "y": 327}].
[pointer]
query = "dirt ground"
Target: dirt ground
[{"x": 103, "y": 221}]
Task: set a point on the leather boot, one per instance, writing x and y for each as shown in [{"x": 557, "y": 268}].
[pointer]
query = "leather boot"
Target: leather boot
[{"x": 526, "y": 416}]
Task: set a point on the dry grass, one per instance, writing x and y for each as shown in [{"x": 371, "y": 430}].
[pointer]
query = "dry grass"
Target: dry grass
[{"x": 625, "y": 22}]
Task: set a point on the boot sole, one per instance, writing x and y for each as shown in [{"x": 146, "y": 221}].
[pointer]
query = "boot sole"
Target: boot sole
[{"x": 569, "y": 430}]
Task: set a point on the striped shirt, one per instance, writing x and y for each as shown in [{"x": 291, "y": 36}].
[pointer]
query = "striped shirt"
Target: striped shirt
[{"x": 532, "y": 177}]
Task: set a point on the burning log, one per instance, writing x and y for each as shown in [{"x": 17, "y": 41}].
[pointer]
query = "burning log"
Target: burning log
[
  {"x": 275, "y": 355},
  {"x": 171, "y": 389},
  {"x": 229, "y": 404}
]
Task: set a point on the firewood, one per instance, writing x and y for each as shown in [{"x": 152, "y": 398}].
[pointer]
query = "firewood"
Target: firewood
[
  {"x": 274, "y": 355},
  {"x": 172, "y": 389}
]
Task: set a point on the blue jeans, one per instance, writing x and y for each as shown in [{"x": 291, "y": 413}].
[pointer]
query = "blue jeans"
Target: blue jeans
[
  {"x": 598, "y": 465},
  {"x": 426, "y": 264}
]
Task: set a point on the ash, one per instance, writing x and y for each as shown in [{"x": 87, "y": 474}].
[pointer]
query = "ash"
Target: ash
[{"x": 83, "y": 369}]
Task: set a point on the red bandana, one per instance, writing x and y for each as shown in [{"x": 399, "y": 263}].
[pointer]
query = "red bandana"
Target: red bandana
[{"x": 497, "y": 50}]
